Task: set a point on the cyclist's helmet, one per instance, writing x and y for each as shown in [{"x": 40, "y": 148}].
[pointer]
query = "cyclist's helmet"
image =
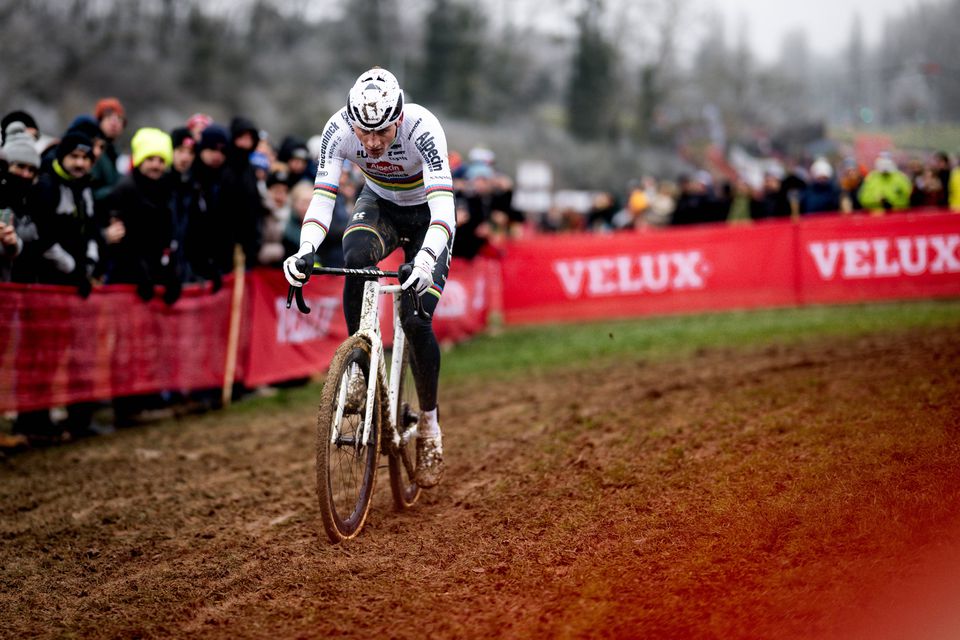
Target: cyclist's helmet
[{"x": 376, "y": 101}]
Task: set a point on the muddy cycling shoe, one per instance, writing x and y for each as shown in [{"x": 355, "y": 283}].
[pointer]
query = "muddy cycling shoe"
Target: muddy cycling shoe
[
  {"x": 429, "y": 461},
  {"x": 356, "y": 393}
]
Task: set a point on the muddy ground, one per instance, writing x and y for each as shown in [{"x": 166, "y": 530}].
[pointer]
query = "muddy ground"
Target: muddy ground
[{"x": 803, "y": 491}]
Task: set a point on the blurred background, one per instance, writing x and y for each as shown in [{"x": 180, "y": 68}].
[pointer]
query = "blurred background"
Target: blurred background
[{"x": 604, "y": 91}]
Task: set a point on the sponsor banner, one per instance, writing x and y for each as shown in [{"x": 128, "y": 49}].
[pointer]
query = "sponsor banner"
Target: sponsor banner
[
  {"x": 56, "y": 348},
  {"x": 859, "y": 258},
  {"x": 590, "y": 276},
  {"x": 284, "y": 343}
]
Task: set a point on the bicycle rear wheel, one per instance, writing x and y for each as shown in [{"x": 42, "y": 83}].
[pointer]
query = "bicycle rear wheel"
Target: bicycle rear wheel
[
  {"x": 403, "y": 463},
  {"x": 346, "y": 467}
]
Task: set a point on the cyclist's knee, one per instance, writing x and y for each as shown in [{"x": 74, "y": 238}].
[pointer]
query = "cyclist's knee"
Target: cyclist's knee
[
  {"x": 359, "y": 257},
  {"x": 415, "y": 325}
]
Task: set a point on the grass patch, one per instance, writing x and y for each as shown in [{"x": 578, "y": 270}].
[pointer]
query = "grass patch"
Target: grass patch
[{"x": 515, "y": 351}]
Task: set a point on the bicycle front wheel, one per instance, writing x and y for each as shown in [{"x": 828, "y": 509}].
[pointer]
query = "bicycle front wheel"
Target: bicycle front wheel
[
  {"x": 403, "y": 462},
  {"x": 346, "y": 460}
]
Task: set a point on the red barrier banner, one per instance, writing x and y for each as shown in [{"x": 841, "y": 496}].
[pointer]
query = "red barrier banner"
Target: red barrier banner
[
  {"x": 284, "y": 343},
  {"x": 858, "y": 258},
  {"x": 589, "y": 276},
  {"x": 56, "y": 348}
]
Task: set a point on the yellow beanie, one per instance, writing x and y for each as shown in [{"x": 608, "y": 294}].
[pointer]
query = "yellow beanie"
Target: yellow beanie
[{"x": 148, "y": 142}]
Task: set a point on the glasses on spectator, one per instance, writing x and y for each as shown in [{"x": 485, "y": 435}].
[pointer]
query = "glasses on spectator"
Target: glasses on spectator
[{"x": 23, "y": 170}]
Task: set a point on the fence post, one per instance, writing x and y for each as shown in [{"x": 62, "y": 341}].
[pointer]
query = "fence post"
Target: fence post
[{"x": 233, "y": 338}]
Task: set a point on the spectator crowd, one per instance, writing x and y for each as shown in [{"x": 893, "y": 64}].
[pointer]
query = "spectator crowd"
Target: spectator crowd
[{"x": 168, "y": 212}]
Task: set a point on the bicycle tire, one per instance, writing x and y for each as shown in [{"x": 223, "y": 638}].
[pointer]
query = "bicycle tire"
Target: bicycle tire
[
  {"x": 402, "y": 463},
  {"x": 346, "y": 469}
]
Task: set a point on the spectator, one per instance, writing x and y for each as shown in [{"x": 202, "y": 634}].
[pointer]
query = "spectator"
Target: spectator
[
  {"x": 954, "y": 190},
  {"x": 112, "y": 120},
  {"x": 771, "y": 199},
  {"x": 18, "y": 233},
  {"x": 662, "y": 204},
  {"x": 301, "y": 195},
  {"x": 885, "y": 188},
  {"x": 822, "y": 195},
  {"x": 740, "y": 201},
  {"x": 208, "y": 245},
  {"x": 941, "y": 169},
  {"x": 241, "y": 195},
  {"x": 851, "y": 179},
  {"x": 22, "y": 117},
  {"x": 62, "y": 204},
  {"x": 272, "y": 250},
  {"x": 141, "y": 201},
  {"x": 696, "y": 203},
  {"x": 184, "y": 150},
  {"x": 295, "y": 154},
  {"x": 603, "y": 208},
  {"x": 197, "y": 123},
  {"x": 69, "y": 238}
]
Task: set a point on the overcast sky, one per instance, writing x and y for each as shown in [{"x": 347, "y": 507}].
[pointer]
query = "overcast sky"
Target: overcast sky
[{"x": 828, "y": 23}]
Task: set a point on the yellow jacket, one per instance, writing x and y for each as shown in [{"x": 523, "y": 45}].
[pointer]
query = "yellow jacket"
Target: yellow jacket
[{"x": 954, "y": 190}]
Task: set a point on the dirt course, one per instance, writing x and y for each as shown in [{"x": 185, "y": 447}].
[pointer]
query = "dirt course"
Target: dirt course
[{"x": 803, "y": 491}]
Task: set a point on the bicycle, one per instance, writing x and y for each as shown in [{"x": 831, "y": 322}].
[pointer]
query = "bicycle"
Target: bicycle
[{"x": 351, "y": 437}]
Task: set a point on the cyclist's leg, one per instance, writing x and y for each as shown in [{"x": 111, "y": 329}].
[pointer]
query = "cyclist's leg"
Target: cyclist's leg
[
  {"x": 368, "y": 239},
  {"x": 424, "y": 348}
]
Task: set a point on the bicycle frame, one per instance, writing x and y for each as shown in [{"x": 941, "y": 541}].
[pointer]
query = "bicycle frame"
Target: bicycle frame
[{"x": 370, "y": 329}]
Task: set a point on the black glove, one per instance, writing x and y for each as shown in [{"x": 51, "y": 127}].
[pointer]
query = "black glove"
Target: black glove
[
  {"x": 216, "y": 281},
  {"x": 84, "y": 285},
  {"x": 145, "y": 290},
  {"x": 172, "y": 292}
]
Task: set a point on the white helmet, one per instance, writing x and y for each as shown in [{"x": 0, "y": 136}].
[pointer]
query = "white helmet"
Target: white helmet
[{"x": 376, "y": 101}]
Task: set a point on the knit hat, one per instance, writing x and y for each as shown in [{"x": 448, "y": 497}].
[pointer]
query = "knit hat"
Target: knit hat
[
  {"x": 240, "y": 125},
  {"x": 109, "y": 105},
  {"x": 88, "y": 126},
  {"x": 71, "y": 141},
  {"x": 17, "y": 116},
  {"x": 18, "y": 146},
  {"x": 214, "y": 137},
  {"x": 821, "y": 169},
  {"x": 149, "y": 141},
  {"x": 199, "y": 121},
  {"x": 181, "y": 137},
  {"x": 293, "y": 147}
]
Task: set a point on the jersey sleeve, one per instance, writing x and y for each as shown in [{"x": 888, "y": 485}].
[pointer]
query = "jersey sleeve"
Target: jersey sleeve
[
  {"x": 326, "y": 184},
  {"x": 431, "y": 144}
]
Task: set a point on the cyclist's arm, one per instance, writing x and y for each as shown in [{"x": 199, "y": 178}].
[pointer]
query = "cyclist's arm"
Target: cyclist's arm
[
  {"x": 438, "y": 184},
  {"x": 326, "y": 184}
]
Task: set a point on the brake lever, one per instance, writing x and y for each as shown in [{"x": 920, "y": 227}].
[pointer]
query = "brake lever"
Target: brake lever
[{"x": 298, "y": 293}]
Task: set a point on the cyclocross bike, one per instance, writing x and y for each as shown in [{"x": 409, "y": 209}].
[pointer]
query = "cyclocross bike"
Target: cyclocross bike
[{"x": 354, "y": 429}]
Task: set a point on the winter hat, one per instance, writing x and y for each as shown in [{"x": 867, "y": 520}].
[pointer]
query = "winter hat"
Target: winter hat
[
  {"x": 109, "y": 105},
  {"x": 214, "y": 137},
  {"x": 73, "y": 140},
  {"x": 885, "y": 164},
  {"x": 181, "y": 137},
  {"x": 821, "y": 169},
  {"x": 149, "y": 141},
  {"x": 240, "y": 125},
  {"x": 17, "y": 116},
  {"x": 18, "y": 146},
  {"x": 199, "y": 121},
  {"x": 293, "y": 147},
  {"x": 88, "y": 126}
]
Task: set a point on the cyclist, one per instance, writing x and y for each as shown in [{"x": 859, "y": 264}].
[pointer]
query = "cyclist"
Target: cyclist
[{"x": 406, "y": 201}]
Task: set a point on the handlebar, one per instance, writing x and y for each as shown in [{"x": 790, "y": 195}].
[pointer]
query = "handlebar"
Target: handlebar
[{"x": 401, "y": 274}]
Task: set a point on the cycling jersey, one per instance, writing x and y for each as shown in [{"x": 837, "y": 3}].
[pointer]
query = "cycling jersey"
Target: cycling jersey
[{"x": 414, "y": 170}]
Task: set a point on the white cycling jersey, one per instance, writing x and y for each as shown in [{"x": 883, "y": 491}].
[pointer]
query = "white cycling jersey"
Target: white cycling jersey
[{"x": 414, "y": 170}]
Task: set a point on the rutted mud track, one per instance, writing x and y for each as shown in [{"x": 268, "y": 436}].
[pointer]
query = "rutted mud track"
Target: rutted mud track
[{"x": 777, "y": 492}]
